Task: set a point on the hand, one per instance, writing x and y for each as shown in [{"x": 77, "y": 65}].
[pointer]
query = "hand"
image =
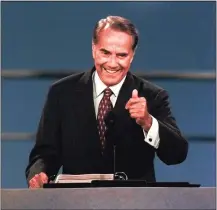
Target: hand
[
  {"x": 137, "y": 107},
  {"x": 38, "y": 180}
]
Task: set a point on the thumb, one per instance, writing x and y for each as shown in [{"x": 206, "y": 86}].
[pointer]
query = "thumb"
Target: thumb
[{"x": 135, "y": 94}]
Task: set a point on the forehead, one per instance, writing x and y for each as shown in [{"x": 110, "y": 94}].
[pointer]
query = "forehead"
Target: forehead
[{"x": 109, "y": 38}]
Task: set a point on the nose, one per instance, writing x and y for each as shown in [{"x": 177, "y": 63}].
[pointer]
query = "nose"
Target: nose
[{"x": 112, "y": 62}]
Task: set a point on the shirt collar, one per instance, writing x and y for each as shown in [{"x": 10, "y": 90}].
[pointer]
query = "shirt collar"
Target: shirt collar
[{"x": 99, "y": 86}]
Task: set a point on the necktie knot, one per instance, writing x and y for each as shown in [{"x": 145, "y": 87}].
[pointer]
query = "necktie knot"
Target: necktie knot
[{"x": 108, "y": 92}]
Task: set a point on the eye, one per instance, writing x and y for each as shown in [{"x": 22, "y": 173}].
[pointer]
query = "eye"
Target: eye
[
  {"x": 122, "y": 55},
  {"x": 105, "y": 52}
]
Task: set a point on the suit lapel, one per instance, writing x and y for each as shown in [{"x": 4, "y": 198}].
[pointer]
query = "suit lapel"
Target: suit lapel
[
  {"x": 85, "y": 112},
  {"x": 124, "y": 95}
]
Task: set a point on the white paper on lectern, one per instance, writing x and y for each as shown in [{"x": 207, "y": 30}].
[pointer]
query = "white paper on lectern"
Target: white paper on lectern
[{"x": 82, "y": 178}]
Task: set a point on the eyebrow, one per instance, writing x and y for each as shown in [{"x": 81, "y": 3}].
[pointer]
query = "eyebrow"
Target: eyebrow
[
  {"x": 104, "y": 50},
  {"x": 120, "y": 54}
]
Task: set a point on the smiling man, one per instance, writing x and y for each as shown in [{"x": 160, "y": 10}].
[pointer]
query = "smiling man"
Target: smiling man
[
  {"x": 113, "y": 53},
  {"x": 86, "y": 114}
]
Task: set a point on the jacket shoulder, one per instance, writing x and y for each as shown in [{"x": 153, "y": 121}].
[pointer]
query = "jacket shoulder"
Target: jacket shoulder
[
  {"x": 66, "y": 82},
  {"x": 147, "y": 86}
]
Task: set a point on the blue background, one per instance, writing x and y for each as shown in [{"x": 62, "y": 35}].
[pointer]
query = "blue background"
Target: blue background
[{"x": 52, "y": 36}]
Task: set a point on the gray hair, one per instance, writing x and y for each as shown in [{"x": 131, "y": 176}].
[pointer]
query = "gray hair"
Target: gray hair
[{"x": 117, "y": 23}]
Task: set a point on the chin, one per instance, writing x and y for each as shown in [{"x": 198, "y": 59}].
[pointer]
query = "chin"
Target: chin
[
  {"x": 111, "y": 79},
  {"x": 111, "y": 82}
]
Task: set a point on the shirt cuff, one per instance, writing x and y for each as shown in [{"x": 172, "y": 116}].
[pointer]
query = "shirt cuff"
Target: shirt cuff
[{"x": 152, "y": 137}]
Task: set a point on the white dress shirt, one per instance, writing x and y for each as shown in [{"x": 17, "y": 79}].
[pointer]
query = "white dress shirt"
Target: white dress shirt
[{"x": 152, "y": 137}]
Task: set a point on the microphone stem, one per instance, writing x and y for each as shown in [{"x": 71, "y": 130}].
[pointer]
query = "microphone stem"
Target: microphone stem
[{"x": 114, "y": 160}]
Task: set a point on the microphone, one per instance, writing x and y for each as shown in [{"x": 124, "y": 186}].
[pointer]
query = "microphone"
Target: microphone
[{"x": 110, "y": 122}]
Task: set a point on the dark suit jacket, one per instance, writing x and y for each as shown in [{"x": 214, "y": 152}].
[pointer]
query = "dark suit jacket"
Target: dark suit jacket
[{"x": 67, "y": 134}]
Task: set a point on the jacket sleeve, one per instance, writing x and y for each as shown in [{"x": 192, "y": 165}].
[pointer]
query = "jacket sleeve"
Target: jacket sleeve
[
  {"x": 46, "y": 153},
  {"x": 173, "y": 147}
]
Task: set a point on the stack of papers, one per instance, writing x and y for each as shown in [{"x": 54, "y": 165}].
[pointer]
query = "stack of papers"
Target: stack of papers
[{"x": 82, "y": 178}]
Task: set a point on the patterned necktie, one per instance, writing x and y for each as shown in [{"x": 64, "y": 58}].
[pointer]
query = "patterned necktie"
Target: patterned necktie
[{"x": 104, "y": 107}]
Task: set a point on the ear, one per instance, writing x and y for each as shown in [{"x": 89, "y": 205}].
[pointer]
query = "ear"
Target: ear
[
  {"x": 93, "y": 50},
  {"x": 132, "y": 56}
]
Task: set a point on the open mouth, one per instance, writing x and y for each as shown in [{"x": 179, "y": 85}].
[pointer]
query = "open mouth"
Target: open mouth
[{"x": 110, "y": 71}]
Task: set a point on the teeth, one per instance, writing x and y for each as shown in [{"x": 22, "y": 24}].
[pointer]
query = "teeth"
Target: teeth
[{"x": 110, "y": 71}]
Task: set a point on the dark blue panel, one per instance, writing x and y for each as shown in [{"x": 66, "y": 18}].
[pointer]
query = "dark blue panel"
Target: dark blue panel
[
  {"x": 22, "y": 103},
  {"x": 198, "y": 168},
  {"x": 14, "y": 159},
  {"x": 193, "y": 104},
  {"x": 175, "y": 36},
  {"x": 57, "y": 35}
]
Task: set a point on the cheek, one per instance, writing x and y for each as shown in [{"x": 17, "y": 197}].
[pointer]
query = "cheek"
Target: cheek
[
  {"x": 125, "y": 63},
  {"x": 100, "y": 59}
]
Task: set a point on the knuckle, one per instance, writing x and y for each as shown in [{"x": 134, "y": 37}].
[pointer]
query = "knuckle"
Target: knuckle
[
  {"x": 30, "y": 183},
  {"x": 143, "y": 99},
  {"x": 32, "y": 180},
  {"x": 42, "y": 174},
  {"x": 36, "y": 176}
]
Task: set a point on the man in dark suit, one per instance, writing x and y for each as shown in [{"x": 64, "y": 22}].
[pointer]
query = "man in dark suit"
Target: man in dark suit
[{"x": 86, "y": 114}]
